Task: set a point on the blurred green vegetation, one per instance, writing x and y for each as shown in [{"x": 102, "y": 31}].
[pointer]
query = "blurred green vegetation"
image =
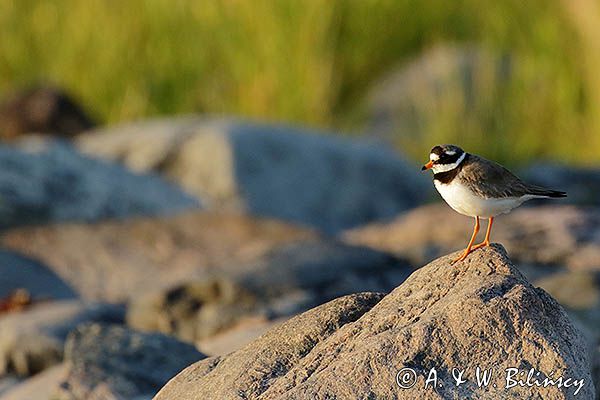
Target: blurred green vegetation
[{"x": 313, "y": 62}]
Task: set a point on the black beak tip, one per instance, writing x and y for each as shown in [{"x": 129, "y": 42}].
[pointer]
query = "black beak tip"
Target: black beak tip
[{"x": 423, "y": 168}]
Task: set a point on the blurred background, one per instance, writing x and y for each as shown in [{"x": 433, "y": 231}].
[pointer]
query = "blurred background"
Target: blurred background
[
  {"x": 512, "y": 80},
  {"x": 178, "y": 177}
]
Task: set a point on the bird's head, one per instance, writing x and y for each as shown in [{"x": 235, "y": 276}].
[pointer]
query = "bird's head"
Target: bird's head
[{"x": 444, "y": 158}]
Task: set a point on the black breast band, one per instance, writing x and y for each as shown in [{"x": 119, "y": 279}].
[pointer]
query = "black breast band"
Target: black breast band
[{"x": 448, "y": 176}]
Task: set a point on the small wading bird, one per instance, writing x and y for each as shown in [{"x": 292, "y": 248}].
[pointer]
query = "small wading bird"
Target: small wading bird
[{"x": 479, "y": 188}]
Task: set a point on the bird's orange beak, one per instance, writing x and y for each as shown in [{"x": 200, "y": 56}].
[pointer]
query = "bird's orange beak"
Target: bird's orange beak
[{"x": 427, "y": 166}]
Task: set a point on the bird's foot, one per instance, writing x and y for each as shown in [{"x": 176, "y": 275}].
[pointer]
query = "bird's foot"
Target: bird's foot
[
  {"x": 462, "y": 256},
  {"x": 480, "y": 245}
]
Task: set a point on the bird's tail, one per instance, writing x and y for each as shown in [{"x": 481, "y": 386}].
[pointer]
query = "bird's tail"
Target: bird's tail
[{"x": 541, "y": 191}]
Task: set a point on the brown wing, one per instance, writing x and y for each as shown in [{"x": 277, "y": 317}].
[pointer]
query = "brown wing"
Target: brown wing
[{"x": 490, "y": 179}]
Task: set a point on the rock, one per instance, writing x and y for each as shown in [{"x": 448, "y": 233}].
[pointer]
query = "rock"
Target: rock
[
  {"x": 198, "y": 274},
  {"x": 33, "y": 340},
  {"x": 41, "y": 283},
  {"x": 288, "y": 281},
  {"x": 118, "y": 259},
  {"x": 579, "y": 183},
  {"x": 579, "y": 293},
  {"x": 444, "y": 90},
  {"x": 39, "y": 386},
  {"x": 237, "y": 336},
  {"x": 547, "y": 235},
  {"x": 480, "y": 312},
  {"x": 282, "y": 346},
  {"x": 7, "y": 384},
  {"x": 194, "y": 310},
  {"x": 46, "y": 181},
  {"x": 44, "y": 110},
  {"x": 159, "y": 265},
  {"x": 268, "y": 170},
  {"x": 596, "y": 370},
  {"x": 113, "y": 362}
]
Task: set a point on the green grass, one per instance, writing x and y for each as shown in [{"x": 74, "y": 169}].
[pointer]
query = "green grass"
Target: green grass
[{"x": 312, "y": 62}]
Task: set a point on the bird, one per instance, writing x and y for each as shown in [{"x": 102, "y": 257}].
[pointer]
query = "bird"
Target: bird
[{"x": 479, "y": 188}]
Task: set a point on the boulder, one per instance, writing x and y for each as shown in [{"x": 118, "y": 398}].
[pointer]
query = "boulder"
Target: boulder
[
  {"x": 113, "y": 362},
  {"x": 7, "y": 384},
  {"x": 116, "y": 260},
  {"x": 37, "y": 280},
  {"x": 290, "y": 280},
  {"x": 236, "y": 337},
  {"x": 268, "y": 170},
  {"x": 40, "y": 386},
  {"x": 447, "y": 91},
  {"x": 164, "y": 261},
  {"x": 43, "y": 181},
  {"x": 33, "y": 340},
  {"x": 546, "y": 235},
  {"x": 579, "y": 293},
  {"x": 42, "y": 109},
  {"x": 480, "y": 312}
]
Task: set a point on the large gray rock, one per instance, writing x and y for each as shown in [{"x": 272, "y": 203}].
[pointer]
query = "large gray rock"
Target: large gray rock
[
  {"x": 33, "y": 340},
  {"x": 40, "y": 283},
  {"x": 556, "y": 246},
  {"x": 268, "y": 170},
  {"x": 579, "y": 293},
  {"x": 283, "y": 267},
  {"x": 198, "y": 274},
  {"x": 116, "y": 260},
  {"x": 113, "y": 362},
  {"x": 7, "y": 384},
  {"x": 477, "y": 313},
  {"x": 38, "y": 387},
  {"x": 288, "y": 281},
  {"x": 44, "y": 181},
  {"x": 447, "y": 91}
]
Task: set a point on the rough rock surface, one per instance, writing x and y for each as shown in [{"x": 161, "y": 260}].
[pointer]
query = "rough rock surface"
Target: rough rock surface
[
  {"x": 113, "y": 362},
  {"x": 550, "y": 235},
  {"x": 479, "y": 312},
  {"x": 268, "y": 170},
  {"x": 33, "y": 340},
  {"x": 44, "y": 181}
]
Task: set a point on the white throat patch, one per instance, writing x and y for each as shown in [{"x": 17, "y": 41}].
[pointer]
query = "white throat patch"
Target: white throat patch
[{"x": 437, "y": 168}]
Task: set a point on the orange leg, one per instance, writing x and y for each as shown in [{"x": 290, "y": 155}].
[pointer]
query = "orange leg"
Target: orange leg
[
  {"x": 468, "y": 249},
  {"x": 486, "y": 241}
]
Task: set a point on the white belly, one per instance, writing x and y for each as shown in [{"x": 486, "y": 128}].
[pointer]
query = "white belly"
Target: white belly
[{"x": 465, "y": 202}]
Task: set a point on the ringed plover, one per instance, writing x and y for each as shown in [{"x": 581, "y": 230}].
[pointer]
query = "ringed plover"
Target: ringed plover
[{"x": 479, "y": 188}]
